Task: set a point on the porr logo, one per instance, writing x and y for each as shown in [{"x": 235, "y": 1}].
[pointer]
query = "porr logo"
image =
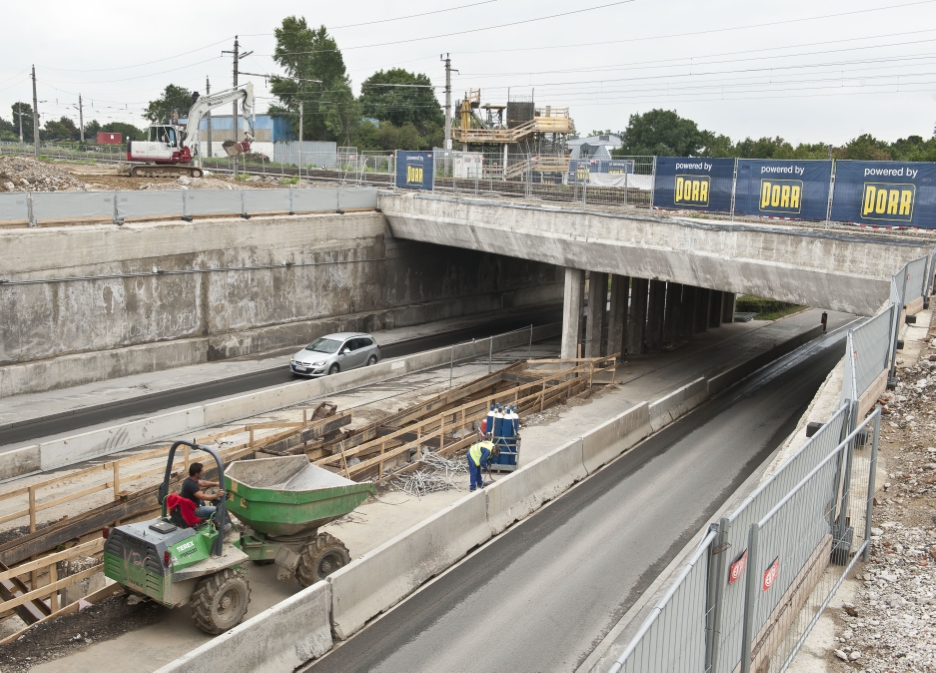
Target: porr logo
[
  {"x": 692, "y": 190},
  {"x": 888, "y": 201},
  {"x": 781, "y": 196}
]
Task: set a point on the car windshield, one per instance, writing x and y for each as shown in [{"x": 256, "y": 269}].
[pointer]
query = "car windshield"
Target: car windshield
[{"x": 324, "y": 345}]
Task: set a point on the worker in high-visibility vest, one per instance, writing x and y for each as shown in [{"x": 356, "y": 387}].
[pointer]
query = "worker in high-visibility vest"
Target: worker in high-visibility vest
[{"x": 479, "y": 455}]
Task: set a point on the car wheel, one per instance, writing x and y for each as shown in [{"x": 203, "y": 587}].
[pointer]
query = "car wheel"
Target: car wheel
[
  {"x": 334, "y": 369},
  {"x": 372, "y": 360}
]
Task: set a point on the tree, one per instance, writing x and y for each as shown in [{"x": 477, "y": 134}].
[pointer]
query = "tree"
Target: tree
[
  {"x": 173, "y": 104},
  {"x": 63, "y": 129},
  {"x": 764, "y": 148},
  {"x": 868, "y": 148},
  {"x": 663, "y": 133},
  {"x": 27, "y": 113},
  {"x": 129, "y": 131},
  {"x": 91, "y": 129},
  {"x": 413, "y": 99},
  {"x": 308, "y": 54}
]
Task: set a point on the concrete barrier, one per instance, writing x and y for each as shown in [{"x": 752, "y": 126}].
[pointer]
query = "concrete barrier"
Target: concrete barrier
[
  {"x": 383, "y": 577},
  {"x": 19, "y": 462},
  {"x": 667, "y": 409},
  {"x": 277, "y": 640},
  {"x": 915, "y": 306},
  {"x": 609, "y": 440},
  {"x": 521, "y": 493},
  {"x": 76, "y": 448}
]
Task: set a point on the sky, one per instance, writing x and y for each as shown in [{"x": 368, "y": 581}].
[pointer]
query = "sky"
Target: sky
[{"x": 807, "y": 71}]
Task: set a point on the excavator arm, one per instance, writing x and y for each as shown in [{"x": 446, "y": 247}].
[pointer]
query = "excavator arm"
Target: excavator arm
[{"x": 207, "y": 103}]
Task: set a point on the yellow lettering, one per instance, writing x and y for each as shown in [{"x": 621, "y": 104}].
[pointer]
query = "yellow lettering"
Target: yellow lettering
[
  {"x": 703, "y": 192},
  {"x": 775, "y": 196},
  {"x": 785, "y": 196},
  {"x": 765, "y": 194},
  {"x": 679, "y": 189},
  {"x": 868, "y": 206},
  {"x": 906, "y": 202},
  {"x": 795, "y": 197},
  {"x": 695, "y": 190},
  {"x": 881, "y": 204},
  {"x": 893, "y": 197}
]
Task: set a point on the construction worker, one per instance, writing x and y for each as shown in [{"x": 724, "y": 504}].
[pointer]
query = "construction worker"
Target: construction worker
[{"x": 479, "y": 455}]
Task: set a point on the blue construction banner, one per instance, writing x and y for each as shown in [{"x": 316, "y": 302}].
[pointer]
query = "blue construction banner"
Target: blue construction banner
[
  {"x": 414, "y": 170},
  {"x": 581, "y": 169},
  {"x": 689, "y": 183},
  {"x": 547, "y": 177},
  {"x": 617, "y": 166},
  {"x": 885, "y": 193},
  {"x": 778, "y": 188}
]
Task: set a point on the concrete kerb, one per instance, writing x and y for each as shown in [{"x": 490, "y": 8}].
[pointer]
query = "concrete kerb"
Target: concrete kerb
[
  {"x": 277, "y": 640},
  {"x": 380, "y": 579},
  {"x": 76, "y": 448},
  {"x": 609, "y": 440},
  {"x": 667, "y": 409},
  {"x": 524, "y": 491}
]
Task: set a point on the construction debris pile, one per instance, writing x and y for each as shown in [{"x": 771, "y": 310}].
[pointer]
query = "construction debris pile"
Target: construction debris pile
[
  {"x": 18, "y": 174},
  {"x": 438, "y": 474}
]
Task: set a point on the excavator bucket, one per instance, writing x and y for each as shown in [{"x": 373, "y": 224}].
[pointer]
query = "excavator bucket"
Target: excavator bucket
[{"x": 233, "y": 148}]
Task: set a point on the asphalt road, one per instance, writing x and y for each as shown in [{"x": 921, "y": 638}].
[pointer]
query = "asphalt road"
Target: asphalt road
[
  {"x": 544, "y": 594},
  {"x": 150, "y": 404}
]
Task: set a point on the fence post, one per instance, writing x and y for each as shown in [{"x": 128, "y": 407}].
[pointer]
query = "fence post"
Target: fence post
[
  {"x": 734, "y": 187},
  {"x": 899, "y": 308},
  {"x": 292, "y": 210},
  {"x": 30, "y": 209},
  {"x": 451, "y": 363},
  {"x": 185, "y": 215},
  {"x": 872, "y": 468},
  {"x": 490, "y": 351},
  {"x": 750, "y": 599},
  {"x": 716, "y": 589},
  {"x": 115, "y": 466},
  {"x": 530, "y": 346},
  {"x": 652, "y": 183},
  {"x": 32, "y": 509}
]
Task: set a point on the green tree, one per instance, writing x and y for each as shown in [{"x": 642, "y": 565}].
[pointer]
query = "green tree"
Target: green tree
[
  {"x": 91, "y": 129},
  {"x": 764, "y": 148},
  {"x": 315, "y": 76},
  {"x": 868, "y": 148},
  {"x": 173, "y": 104},
  {"x": 27, "y": 113},
  {"x": 62, "y": 129},
  {"x": 399, "y": 96},
  {"x": 663, "y": 133},
  {"x": 129, "y": 131},
  {"x": 716, "y": 145}
]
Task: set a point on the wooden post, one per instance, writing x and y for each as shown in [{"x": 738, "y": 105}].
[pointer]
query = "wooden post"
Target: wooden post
[
  {"x": 251, "y": 437},
  {"x": 53, "y": 598},
  {"x": 32, "y": 509},
  {"x": 344, "y": 462},
  {"x": 305, "y": 417},
  {"x": 383, "y": 445},
  {"x": 116, "y": 467},
  {"x": 185, "y": 453}
]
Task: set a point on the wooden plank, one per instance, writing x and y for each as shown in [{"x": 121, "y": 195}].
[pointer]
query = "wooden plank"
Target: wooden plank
[
  {"x": 95, "y": 597},
  {"x": 74, "y": 496},
  {"x": 49, "y": 588},
  {"x": 86, "y": 549}
]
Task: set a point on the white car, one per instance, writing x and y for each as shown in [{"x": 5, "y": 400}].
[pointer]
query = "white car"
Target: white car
[{"x": 335, "y": 353}]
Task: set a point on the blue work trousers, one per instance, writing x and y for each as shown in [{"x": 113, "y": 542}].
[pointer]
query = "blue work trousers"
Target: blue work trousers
[{"x": 477, "y": 479}]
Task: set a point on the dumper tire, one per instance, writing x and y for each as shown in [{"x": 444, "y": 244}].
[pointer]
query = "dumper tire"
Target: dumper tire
[
  {"x": 319, "y": 558},
  {"x": 220, "y": 601}
]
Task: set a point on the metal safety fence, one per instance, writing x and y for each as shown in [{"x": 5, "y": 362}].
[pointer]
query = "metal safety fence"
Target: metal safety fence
[
  {"x": 117, "y": 207},
  {"x": 737, "y": 603}
]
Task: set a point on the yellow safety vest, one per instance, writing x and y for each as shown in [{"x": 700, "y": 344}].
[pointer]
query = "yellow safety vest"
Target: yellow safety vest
[{"x": 474, "y": 453}]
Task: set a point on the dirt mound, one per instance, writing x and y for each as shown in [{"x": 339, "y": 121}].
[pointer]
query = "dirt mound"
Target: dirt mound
[{"x": 19, "y": 174}]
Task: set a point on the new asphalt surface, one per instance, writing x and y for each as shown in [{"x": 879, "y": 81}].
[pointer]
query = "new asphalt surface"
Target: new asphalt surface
[{"x": 541, "y": 596}]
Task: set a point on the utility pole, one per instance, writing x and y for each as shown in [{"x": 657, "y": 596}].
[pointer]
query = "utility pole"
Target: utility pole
[
  {"x": 35, "y": 114},
  {"x": 208, "y": 93},
  {"x": 237, "y": 57},
  {"x": 448, "y": 109},
  {"x": 81, "y": 119}
]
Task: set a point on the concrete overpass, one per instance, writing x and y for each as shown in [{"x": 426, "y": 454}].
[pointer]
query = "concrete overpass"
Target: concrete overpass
[{"x": 681, "y": 274}]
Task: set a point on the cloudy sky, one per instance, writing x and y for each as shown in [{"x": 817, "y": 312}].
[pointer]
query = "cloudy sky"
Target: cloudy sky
[{"x": 805, "y": 70}]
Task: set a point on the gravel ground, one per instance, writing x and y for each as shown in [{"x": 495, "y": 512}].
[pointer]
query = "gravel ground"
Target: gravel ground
[
  {"x": 890, "y": 626},
  {"x": 19, "y": 174}
]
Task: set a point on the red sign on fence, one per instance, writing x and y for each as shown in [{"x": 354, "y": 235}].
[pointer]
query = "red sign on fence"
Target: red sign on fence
[
  {"x": 770, "y": 575},
  {"x": 737, "y": 567}
]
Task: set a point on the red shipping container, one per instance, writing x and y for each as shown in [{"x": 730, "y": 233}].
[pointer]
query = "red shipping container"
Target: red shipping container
[{"x": 109, "y": 138}]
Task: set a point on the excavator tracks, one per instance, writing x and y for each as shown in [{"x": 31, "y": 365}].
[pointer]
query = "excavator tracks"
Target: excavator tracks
[{"x": 166, "y": 171}]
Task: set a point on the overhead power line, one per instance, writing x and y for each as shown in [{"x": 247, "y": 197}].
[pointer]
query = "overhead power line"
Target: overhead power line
[{"x": 413, "y": 16}]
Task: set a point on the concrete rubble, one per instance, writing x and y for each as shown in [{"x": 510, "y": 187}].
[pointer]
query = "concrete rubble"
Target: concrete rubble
[{"x": 19, "y": 174}]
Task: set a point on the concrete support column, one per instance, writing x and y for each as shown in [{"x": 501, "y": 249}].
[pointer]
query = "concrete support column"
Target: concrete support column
[
  {"x": 673, "y": 313},
  {"x": 715, "y": 308},
  {"x": 656, "y": 310},
  {"x": 637, "y": 316},
  {"x": 703, "y": 300},
  {"x": 597, "y": 302},
  {"x": 572, "y": 300},
  {"x": 729, "y": 300},
  {"x": 617, "y": 315},
  {"x": 687, "y": 312}
]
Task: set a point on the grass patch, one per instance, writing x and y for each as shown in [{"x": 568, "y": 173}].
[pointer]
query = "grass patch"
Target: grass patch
[
  {"x": 290, "y": 181},
  {"x": 766, "y": 309}
]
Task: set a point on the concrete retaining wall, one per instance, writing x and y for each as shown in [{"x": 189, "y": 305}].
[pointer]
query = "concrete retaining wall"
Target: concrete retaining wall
[
  {"x": 667, "y": 409},
  {"x": 524, "y": 491},
  {"x": 76, "y": 448},
  {"x": 382, "y": 578},
  {"x": 277, "y": 640},
  {"x": 611, "y": 439}
]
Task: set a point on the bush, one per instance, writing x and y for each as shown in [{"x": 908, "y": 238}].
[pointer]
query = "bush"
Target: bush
[{"x": 766, "y": 309}]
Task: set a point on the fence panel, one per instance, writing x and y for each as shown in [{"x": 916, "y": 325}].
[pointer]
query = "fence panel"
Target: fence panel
[
  {"x": 315, "y": 200},
  {"x": 916, "y": 272},
  {"x": 362, "y": 197},
  {"x": 149, "y": 204},
  {"x": 673, "y": 636},
  {"x": 14, "y": 208},
  {"x": 212, "y": 202},
  {"x": 871, "y": 349},
  {"x": 266, "y": 201},
  {"x": 754, "y": 507},
  {"x": 73, "y": 206}
]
